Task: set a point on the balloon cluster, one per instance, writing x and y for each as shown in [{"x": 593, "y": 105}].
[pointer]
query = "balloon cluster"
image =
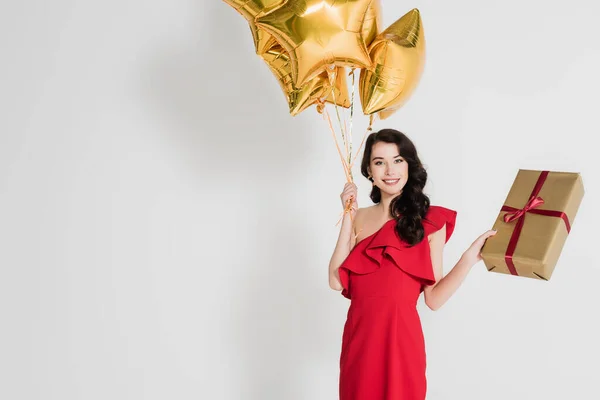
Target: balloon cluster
[{"x": 307, "y": 44}]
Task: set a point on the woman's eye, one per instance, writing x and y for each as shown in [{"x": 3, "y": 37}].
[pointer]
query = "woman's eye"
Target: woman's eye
[{"x": 400, "y": 160}]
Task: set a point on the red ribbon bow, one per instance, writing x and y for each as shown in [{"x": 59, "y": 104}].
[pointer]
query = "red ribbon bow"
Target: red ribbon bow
[
  {"x": 534, "y": 202},
  {"x": 519, "y": 215}
]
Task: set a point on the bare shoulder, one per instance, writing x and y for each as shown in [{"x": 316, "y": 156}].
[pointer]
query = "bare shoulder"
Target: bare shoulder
[
  {"x": 357, "y": 218},
  {"x": 360, "y": 216},
  {"x": 366, "y": 210},
  {"x": 360, "y": 219}
]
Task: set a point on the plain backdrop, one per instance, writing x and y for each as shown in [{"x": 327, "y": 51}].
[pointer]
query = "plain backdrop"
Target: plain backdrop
[{"x": 166, "y": 225}]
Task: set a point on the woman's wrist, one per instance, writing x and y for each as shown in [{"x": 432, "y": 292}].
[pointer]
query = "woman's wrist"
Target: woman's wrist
[{"x": 467, "y": 260}]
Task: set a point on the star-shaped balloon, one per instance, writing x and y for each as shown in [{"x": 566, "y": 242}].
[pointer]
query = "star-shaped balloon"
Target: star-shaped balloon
[
  {"x": 319, "y": 33},
  {"x": 314, "y": 91},
  {"x": 398, "y": 55},
  {"x": 251, "y": 9},
  {"x": 372, "y": 22}
]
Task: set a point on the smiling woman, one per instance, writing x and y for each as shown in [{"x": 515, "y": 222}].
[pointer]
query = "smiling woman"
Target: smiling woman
[
  {"x": 379, "y": 161},
  {"x": 392, "y": 164},
  {"x": 396, "y": 255}
]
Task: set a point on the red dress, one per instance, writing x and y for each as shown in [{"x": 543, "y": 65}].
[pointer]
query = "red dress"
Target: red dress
[{"x": 383, "y": 350}]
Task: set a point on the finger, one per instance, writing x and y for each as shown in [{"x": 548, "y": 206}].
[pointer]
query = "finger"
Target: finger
[
  {"x": 349, "y": 193},
  {"x": 481, "y": 240},
  {"x": 488, "y": 233}
]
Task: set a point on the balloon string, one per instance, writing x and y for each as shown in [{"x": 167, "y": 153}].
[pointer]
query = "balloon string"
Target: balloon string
[
  {"x": 332, "y": 76},
  {"x": 369, "y": 129},
  {"x": 344, "y": 163},
  {"x": 351, "y": 119},
  {"x": 349, "y": 202},
  {"x": 346, "y": 134}
]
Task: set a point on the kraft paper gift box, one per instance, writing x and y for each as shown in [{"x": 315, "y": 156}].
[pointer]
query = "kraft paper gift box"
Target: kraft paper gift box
[{"x": 534, "y": 223}]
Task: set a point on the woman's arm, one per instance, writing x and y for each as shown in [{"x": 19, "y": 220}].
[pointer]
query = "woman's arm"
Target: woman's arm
[
  {"x": 436, "y": 295},
  {"x": 345, "y": 243}
]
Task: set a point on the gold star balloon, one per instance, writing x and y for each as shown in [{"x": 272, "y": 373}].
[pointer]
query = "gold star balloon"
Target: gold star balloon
[
  {"x": 314, "y": 91},
  {"x": 398, "y": 55},
  {"x": 251, "y": 9},
  {"x": 319, "y": 33},
  {"x": 372, "y": 22}
]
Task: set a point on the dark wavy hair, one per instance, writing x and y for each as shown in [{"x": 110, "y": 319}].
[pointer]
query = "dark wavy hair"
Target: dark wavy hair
[{"x": 410, "y": 207}]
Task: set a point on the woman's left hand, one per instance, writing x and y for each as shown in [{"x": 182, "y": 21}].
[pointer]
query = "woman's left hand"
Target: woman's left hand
[{"x": 473, "y": 254}]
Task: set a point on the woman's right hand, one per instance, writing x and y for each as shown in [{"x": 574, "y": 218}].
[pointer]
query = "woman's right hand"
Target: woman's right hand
[{"x": 350, "y": 193}]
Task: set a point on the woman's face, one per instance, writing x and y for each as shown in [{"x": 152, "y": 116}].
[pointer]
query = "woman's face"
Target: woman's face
[{"x": 388, "y": 169}]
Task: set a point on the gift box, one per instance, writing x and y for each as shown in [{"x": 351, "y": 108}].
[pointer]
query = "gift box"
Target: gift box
[{"x": 533, "y": 224}]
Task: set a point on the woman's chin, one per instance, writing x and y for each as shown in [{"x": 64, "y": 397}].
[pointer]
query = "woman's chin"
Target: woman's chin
[{"x": 391, "y": 191}]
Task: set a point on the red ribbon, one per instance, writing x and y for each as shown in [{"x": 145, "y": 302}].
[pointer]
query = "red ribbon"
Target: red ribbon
[
  {"x": 518, "y": 214},
  {"x": 533, "y": 202}
]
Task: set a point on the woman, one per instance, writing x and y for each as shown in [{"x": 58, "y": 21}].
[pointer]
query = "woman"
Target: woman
[{"x": 382, "y": 262}]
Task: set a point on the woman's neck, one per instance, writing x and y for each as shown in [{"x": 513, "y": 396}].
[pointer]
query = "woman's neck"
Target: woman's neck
[{"x": 384, "y": 204}]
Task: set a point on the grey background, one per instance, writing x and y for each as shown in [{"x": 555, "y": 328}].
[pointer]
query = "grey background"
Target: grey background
[{"x": 165, "y": 225}]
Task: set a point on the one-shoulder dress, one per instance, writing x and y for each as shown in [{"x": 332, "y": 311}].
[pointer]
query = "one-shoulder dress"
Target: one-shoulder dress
[{"x": 383, "y": 348}]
